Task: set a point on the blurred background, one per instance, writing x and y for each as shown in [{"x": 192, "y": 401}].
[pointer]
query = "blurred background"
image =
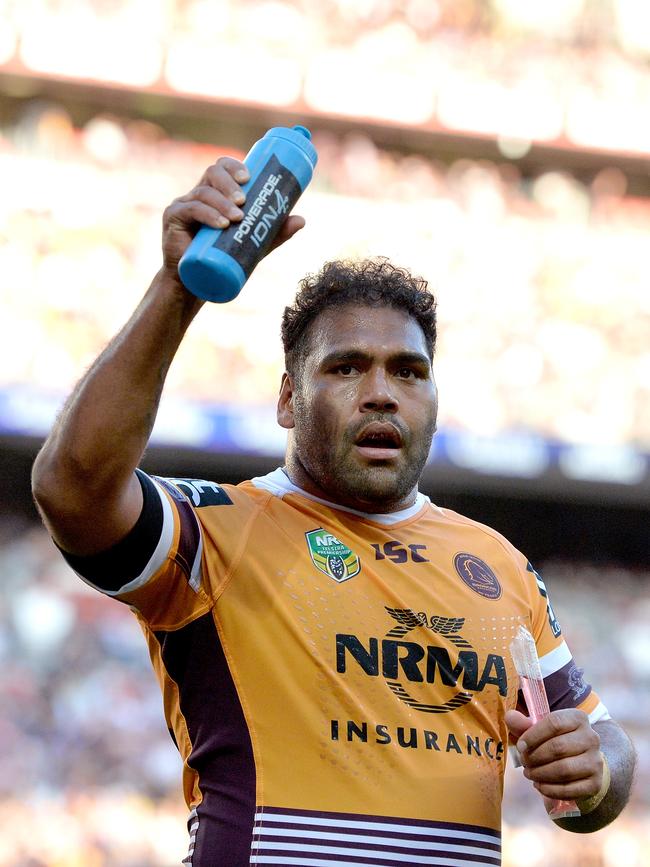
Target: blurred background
[{"x": 502, "y": 150}]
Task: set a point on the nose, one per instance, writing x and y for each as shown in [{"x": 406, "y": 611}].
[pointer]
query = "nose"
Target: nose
[{"x": 377, "y": 395}]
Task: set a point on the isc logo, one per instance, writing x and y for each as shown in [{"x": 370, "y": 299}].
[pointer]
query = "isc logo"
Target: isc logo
[{"x": 399, "y": 553}]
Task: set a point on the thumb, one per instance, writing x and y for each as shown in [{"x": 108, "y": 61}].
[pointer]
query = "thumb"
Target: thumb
[
  {"x": 517, "y": 724},
  {"x": 291, "y": 225}
]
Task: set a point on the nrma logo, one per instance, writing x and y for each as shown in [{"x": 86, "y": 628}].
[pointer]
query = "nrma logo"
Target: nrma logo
[{"x": 405, "y": 662}]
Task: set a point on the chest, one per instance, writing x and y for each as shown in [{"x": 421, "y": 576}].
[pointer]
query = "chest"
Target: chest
[{"x": 428, "y": 613}]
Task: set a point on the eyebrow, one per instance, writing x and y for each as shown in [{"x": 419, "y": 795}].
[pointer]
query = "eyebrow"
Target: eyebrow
[{"x": 349, "y": 356}]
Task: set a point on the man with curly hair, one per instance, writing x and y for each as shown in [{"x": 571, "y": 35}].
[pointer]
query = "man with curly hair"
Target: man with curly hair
[{"x": 332, "y": 647}]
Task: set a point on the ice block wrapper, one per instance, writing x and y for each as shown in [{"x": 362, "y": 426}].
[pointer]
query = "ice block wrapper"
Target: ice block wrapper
[{"x": 524, "y": 656}]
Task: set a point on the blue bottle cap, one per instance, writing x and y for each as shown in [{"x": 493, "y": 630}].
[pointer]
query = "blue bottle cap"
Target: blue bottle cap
[{"x": 298, "y": 136}]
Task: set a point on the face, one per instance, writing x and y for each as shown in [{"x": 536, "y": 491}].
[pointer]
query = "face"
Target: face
[{"x": 363, "y": 413}]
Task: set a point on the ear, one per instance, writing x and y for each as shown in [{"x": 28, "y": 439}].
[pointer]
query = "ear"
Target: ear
[{"x": 285, "y": 403}]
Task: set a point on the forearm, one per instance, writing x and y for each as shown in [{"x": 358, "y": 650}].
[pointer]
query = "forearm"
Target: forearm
[
  {"x": 621, "y": 758},
  {"x": 83, "y": 479},
  {"x": 103, "y": 429}
]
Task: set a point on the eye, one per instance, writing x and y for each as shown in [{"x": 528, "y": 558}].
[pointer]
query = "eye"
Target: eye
[
  {"x": 345, "y": 369},
  {"x": 406, "y": 373}
]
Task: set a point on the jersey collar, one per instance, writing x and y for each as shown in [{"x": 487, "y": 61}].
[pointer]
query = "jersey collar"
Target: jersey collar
[{"x": 278, "y": 483}]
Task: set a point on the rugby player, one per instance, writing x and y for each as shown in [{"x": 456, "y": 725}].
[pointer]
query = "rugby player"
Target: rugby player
[{"x": 332, "y": 647}]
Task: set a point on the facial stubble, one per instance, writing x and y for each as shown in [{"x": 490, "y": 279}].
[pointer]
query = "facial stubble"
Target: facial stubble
[{"x": 331, "y": 463}]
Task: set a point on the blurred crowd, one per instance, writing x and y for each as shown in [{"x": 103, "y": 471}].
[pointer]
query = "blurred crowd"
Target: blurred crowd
[
  {"x": 88, "y": 773},
  {"x": 571, "y": 70},
  {"x": 544, "y": 322},
  {"x": 542, "y": 283}
]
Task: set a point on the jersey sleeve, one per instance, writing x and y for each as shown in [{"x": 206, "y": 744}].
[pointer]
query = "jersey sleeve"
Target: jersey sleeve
[
  {"x": 564, "y": 681},
  {"x": 157, "y": 567}
]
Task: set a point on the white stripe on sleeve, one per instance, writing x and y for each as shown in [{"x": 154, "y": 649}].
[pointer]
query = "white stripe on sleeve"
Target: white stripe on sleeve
[
  {"x": 555, "y": 660},
  {"x": 159, "y": 555}
]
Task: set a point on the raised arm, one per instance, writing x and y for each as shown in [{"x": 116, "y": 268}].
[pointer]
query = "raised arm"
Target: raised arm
[{"x": 83, "y": 478}]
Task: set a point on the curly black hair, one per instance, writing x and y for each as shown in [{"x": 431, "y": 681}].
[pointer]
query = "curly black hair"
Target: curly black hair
[{"x": 371, "y": 282}]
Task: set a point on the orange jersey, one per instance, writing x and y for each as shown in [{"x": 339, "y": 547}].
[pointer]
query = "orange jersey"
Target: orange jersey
[{"x": 336, "y": 682}]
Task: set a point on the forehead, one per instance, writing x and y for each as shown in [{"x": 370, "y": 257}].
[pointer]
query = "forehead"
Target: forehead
[{"x": 380, "y": 331}]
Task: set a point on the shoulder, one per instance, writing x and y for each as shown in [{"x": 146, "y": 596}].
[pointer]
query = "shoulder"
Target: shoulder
[
  {"x": 477, "y": 547},
  {"x": 204, "y": 493},
  {"x": 472, "y": 529}
]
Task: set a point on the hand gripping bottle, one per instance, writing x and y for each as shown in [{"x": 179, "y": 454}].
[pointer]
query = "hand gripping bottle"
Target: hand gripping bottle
[{"x": 218, "y": 262}]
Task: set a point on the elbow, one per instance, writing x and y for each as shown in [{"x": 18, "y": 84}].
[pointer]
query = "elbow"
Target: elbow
[
  {"x": 48, "y": 485},
  {"x": 42, "y": 481},
  {"x": 60, "y": 486}
]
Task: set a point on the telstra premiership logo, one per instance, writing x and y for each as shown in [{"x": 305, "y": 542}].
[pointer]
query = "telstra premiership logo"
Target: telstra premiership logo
[{"x": 331, "y": 556}]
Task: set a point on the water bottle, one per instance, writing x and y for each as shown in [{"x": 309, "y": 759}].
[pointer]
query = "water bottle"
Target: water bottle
[{"x": 218, "y": 262}]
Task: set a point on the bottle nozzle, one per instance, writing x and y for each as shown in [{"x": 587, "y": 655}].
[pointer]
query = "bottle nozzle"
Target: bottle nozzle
[{"x": 303, "y": 131}]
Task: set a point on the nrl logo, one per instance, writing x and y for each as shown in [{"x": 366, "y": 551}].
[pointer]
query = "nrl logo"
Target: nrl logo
[{"x": 330, "y": 556}]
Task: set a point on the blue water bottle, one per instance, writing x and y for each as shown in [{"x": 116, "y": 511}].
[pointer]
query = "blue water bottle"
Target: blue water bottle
[{"x": 218, "y": 262}]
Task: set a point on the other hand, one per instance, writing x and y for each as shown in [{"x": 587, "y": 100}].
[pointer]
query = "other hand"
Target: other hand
[
  {"x": 216, "y": 202},
  {"x": 560, "y": 753}
]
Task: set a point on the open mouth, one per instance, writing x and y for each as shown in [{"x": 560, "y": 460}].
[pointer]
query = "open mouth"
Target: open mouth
[{"x": 379, "y": 441}]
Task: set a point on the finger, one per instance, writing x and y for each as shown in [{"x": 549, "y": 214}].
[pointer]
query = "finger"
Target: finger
[
  {"x": 227, "y": 175},
  {"x": 582, "y": 741},
  {"x": 216, "y": 200},
  {"x": 567, "y": 791},
  {"x": 186, "y": 215},
  {"x": 586, "y": 767},
  {"x": 288, "y": 229},
  {"x": 236, "y": 168},
  {"x": 557, "y": 723},
  {"x": 517, "y": 723}
]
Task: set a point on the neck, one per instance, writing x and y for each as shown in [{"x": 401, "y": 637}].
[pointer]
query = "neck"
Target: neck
[{"x": 300, "y": 476}]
